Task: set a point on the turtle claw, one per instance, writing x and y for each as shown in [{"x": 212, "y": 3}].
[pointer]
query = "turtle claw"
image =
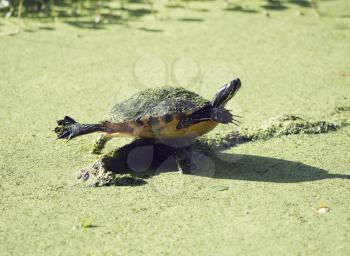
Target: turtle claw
[
  {"x": 66, "y": 121},
  {"x": 63, "y": 135},
  {"x": 236, "y": 122},
  {"x": 66, "y": 128},
  {"x": 67, "y": 131}
]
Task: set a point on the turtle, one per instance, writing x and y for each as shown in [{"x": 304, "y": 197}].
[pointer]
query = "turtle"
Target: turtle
[{"x": 162, "y": 114}]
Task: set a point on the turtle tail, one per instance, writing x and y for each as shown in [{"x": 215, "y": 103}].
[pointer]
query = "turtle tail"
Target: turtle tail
[
  {"x": 68, "y": 128},
  {"x": 226, "y": 93}
]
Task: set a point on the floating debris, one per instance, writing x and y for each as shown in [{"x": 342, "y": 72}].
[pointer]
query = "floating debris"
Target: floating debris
[
  {"x": 219, "y": 187},
  {"x": 323, "y": 208},
  {"x": 339, "y": 73},
  {"x": 84, "y": 224}
]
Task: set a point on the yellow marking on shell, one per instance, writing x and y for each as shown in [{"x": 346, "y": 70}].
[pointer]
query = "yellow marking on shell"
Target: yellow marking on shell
[{"x": 162, "y": 129}]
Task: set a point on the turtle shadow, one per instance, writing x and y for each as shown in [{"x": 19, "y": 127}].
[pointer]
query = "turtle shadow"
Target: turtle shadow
[
  {"x": 143, "y": 159},
  {"x": 267, "y": 169},
  {"x": 249, "y": 168}
]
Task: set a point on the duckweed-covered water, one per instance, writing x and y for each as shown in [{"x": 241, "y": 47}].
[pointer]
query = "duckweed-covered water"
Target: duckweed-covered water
[{"x": 290, "y": 59}]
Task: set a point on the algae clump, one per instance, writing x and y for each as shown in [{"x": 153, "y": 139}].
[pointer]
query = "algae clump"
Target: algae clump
[{"x": 290, "y": 125}]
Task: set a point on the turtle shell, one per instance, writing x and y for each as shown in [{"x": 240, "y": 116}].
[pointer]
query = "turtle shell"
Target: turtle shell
[{"x": 156, "y": 102}]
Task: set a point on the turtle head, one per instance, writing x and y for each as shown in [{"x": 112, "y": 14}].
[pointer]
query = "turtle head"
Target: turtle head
[{"x": 225, "y": 93}]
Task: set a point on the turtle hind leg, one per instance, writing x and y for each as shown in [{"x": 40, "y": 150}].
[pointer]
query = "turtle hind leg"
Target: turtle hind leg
[
  {"x": 100, "y": 144},
  {"x": 68, "y": 128}
]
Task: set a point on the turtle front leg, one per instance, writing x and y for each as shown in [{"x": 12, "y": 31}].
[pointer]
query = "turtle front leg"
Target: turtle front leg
[
  {"x": 100, "y": 144},
  {"x": 183, "y": 161},
  {"x": 196, "y": 159}
]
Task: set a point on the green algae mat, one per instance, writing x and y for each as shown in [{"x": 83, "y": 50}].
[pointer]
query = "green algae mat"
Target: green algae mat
[{"x": 285, "y": 191}]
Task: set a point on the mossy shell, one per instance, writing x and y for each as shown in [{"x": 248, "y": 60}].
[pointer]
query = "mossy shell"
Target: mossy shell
[{"x": 156, "y": 102}]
